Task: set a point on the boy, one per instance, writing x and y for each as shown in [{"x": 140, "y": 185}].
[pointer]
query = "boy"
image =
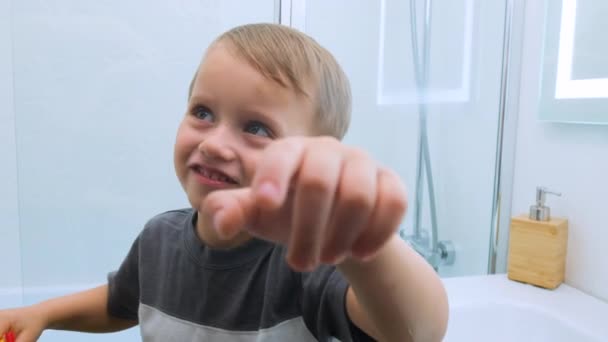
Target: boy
[{"x": 291, "y": 234}]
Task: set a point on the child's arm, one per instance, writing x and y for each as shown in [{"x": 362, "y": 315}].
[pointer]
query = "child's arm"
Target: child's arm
[
  {"x": 396, "y": 296},
  {"x": 332, "y": 204},
  {"x": 84, "y": 311}
]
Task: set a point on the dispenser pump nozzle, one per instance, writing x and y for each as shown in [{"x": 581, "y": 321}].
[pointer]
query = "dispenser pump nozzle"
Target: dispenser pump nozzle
[{"x": 539, "y": 211}]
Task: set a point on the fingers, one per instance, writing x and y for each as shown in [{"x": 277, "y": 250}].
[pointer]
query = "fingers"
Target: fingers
[
  {"x": 230, "y": 211},
  {"x": 353, "y": 206},
  {"x": 256, "y": 208},
  {"x": 275, "y": 171},
  {"x": 8, "y": 335},
  {"x": 320, "y": 199},
  {"x": 26, "y": 336},
  {"x": 315, "y": 190},
  {"x": 390, "y": 206}
]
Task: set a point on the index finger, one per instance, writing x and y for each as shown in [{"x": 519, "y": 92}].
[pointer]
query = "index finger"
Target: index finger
[{"x": 275, "y": 170}]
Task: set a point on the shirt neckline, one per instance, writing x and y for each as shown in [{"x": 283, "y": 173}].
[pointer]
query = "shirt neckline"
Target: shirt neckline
[{"x": 221, "y": 258}]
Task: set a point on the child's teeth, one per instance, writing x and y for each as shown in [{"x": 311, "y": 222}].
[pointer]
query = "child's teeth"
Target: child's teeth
[{"x": 211, "y": 175}]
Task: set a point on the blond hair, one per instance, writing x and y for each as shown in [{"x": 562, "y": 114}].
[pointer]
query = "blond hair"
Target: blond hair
[{"x": 295, "y": 60}]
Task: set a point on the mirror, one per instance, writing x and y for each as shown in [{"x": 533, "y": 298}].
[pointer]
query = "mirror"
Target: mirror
[{"x": 574, "y": 86}]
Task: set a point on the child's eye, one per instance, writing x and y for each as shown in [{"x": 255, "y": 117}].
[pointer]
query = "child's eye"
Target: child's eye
[
  {"x": 258, "y": 128},
  {"x": 202, "y": 113}
]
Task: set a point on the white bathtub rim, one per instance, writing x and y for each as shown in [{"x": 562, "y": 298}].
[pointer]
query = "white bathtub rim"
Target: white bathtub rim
[{"x": 571, "y": 307}]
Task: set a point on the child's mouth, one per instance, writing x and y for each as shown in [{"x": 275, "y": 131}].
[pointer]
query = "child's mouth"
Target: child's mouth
[{"x": 212, "y": 177}]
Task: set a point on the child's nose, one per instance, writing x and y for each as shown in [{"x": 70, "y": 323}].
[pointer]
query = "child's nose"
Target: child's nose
[{"x": 217, "y": 144}]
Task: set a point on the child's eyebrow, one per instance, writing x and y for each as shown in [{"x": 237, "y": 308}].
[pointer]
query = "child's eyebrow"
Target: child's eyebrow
[{"x": 200, "y": 99}]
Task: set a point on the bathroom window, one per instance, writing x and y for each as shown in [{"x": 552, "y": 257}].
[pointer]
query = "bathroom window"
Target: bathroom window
[{"x": 574, "y": 86}]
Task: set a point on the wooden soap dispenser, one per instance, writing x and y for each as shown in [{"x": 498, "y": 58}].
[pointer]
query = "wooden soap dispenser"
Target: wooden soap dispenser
[{"x": 537, "y": 245}]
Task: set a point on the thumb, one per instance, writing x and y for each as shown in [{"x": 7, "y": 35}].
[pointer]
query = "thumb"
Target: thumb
[{"x": 229, "y": 211}]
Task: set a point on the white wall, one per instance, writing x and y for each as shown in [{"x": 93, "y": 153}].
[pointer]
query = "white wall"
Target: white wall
[
  {"x": 9, "y": 211},
  {"x": 569, "y": 158}
]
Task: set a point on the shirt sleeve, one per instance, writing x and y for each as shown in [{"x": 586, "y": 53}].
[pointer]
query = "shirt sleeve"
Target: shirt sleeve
[
  {"x": 324, "y": 306},
  {"x": 123, "y": 285}
]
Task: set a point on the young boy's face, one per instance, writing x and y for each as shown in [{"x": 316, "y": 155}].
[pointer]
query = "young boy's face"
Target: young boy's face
[{"x": 234, "y": 112}]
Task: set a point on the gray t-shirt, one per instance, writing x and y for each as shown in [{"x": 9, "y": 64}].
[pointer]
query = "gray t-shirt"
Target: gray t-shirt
[{"x": 181, "y": 290}]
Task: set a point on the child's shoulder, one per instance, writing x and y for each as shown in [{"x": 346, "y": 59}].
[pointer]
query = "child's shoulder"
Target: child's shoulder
[
  {"x": 172, "y": 220},
  {"x": 172, "y": 215}
]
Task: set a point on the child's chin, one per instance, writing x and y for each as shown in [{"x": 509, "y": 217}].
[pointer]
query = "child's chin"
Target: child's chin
[{"x": 196, "y": 197}]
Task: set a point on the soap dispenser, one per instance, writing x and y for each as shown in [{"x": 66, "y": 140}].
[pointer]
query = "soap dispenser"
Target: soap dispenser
[{"x": 537, "y": 245}]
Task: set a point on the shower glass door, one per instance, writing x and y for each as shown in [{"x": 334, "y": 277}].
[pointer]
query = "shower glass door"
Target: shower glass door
[
  {"x": 447, "y": 99},
  {"x": 89, "y": 116}
]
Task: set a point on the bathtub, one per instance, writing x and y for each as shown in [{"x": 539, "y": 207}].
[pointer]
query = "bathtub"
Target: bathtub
[
  {"x": 482, "y": 308},
  {"x": 493, "y": 308}
]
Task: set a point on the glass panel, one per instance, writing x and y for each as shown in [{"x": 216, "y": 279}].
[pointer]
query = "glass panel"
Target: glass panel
[
  {"x": 10, "y": 258},
  {"x": 100, "y": 88},
  {"x": 373, "y": 42}
]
